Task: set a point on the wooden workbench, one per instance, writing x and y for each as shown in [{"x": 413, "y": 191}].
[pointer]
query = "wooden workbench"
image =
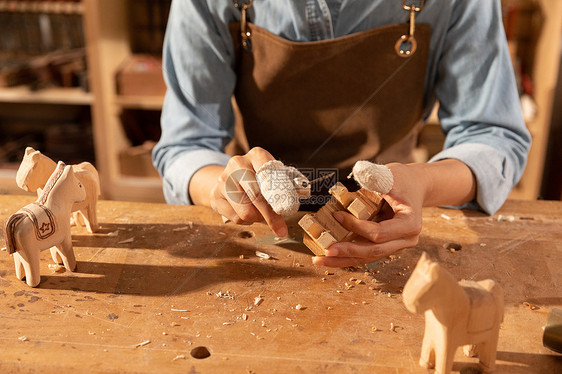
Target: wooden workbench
[{"x": 158, "y": 281}]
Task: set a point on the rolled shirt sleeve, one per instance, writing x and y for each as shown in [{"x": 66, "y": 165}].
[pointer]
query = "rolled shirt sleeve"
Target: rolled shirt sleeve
[
  {"x": 479, "y": 110},
  {"x": 197, "y": 119}
]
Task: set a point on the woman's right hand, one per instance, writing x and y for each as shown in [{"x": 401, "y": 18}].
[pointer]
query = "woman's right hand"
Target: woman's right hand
[{"x": 237, "y": 196}]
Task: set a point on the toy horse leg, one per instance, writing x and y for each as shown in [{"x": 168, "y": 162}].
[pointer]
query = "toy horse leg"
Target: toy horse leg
[
  {"x": 29, "y": 260},
  {"x": 444, "y": 355},
  {"x": 67, "y": 253},
  {"x": 56, "y": 256},
  {"x": 487, "y": 351},
  {"x": 92, "y": 221},
  {"x": 86, "y": 217},
  {"x": 427, "y": 357},
  {"x": 20, "y": 271}
]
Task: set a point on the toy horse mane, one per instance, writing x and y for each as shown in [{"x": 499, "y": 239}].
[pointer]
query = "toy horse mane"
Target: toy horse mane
[{"x": 51, "y": 183}]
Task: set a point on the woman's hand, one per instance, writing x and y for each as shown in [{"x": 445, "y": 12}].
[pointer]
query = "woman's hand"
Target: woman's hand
[
  {"x": 236, "y": 194},
  {"x": 415, "y": 186}
]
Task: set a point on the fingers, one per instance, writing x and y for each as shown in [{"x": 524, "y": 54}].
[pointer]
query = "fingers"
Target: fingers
[
  {"x": 369, "y": 250},
  {"x": 403, "y": 224},
  {"x": 241, "y": 197}
]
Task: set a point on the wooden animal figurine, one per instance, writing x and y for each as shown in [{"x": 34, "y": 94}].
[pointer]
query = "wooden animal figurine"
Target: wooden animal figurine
[
  {"x": 36, "y": 168},
  {"x": 322, "y": 230},
  {"x": 44, "y": 224},
  {"x": 463, "y": 313}
]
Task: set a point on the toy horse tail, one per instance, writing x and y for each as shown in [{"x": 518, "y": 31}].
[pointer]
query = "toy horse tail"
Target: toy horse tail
[{"x": 10, "y": 231}]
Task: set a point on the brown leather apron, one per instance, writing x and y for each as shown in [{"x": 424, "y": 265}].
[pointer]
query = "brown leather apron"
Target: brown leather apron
[{"x": 331, "y": 103}]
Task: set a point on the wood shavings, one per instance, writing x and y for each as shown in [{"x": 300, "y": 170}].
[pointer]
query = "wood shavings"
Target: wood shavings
[
  {"x": 130, "y": 240},
  {"x": 444, "y": 216},
  {"x": 241, "y": 257},
  {"x": 179, "y": 357},
  {"x": 227, "y": 323},
  {"x": 374, "y": 329},
  {"x": 258, "y": 300},
  {"x": 300, "y": 307},
  {"x": 179, "y": 310},
  {"x": 359, "y": 281},
  {"x": 502, "y": 218},
  {"x": 4, "y": 249},
  {"x": 91, "y": 333},
  {"x": 113, "y": 233},
  {"x": 224, "y": 295},
  {"x": 23, "y": 338},
  {"x": 530, "y": 306},
  {"x": 56, "y": 268},
  {"x": 328, "y": 273},
  {"x": 263, "y": 255},
  {"x": 244, "y": 316},
  {"x": 329, "y": 308},
  {"x": 392, "y": 327},
  {"x": 181, "y": 228},
  {"x": 174, "y": 324},
  {"x": 452, "y": 247},
  {"x": 146, "y": 342}
]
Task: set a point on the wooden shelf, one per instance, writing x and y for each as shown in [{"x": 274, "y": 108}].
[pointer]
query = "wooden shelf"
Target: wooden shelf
[
  {"x": 140, "y": 102},
  {"x": 64, "y": 96}
]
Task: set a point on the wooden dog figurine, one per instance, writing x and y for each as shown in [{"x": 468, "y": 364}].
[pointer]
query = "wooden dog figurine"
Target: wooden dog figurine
[
  {"x": 36, "y": 168},
  {"x": 456, "y": 314},
  {"x": 43, "y": 224}
]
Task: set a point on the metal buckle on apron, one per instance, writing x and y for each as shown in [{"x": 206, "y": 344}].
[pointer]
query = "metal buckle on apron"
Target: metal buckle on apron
[
  {"x": 244, "y": 31},
  {"x": 409, "y": 39}
]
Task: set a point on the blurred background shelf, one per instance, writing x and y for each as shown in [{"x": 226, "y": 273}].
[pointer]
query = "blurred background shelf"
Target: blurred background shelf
[
  {"x": 56, "y": 95},
  {"x": 140, "y": 102}
]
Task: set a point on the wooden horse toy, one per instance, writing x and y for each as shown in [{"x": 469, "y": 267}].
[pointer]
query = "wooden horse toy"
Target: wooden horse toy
[
  {"x": 36, "y": 168},
  {"x": 44, "y": 224},
  {"x": 463, "y": 313}
]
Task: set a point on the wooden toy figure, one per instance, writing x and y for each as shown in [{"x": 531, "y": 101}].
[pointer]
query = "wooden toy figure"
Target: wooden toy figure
[
  {"x": 43, "y": 224},
  {"x": 463, "y": 313},
  {"x": 36, "y": 168},
  {"x": 321, "y": 229}
]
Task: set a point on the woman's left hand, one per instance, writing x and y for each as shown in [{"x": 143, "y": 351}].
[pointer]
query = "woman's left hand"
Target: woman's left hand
[
  {"x": 377, "y": 240},
  {"x": 445, "y": 182}
]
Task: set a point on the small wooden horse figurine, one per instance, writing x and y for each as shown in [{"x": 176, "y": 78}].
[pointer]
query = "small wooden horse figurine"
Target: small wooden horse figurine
[
  {"x": 36, "y": 168},
  {"x": 463, "y": 313},
  {"x": 43, "y": 224}
]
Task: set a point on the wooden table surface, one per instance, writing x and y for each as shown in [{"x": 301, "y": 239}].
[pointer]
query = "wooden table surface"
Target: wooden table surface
[{"x": 158, "y": 281}]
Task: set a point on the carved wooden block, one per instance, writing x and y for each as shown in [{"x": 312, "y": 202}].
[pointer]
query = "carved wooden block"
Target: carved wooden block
[
  {"x": 321, "y": 229},
  {"x": 36, "y": 168},
  {"x": 44, "y": 224},
  {"x": 465, "y": 313}
]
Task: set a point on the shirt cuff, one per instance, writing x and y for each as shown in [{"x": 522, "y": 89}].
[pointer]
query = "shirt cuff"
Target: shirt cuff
[
  {"x": 178, "y": 176},
  {"x": 494, "y": 175}
]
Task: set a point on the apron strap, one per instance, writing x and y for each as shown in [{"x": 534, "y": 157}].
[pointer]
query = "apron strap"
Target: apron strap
[
  {"x": 406, "y": 45},
  {"x": 245, "y": 32}
]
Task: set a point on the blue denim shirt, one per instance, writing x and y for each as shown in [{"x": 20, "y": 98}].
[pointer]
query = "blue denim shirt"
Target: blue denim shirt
[{"x": 469, "y": 72}]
